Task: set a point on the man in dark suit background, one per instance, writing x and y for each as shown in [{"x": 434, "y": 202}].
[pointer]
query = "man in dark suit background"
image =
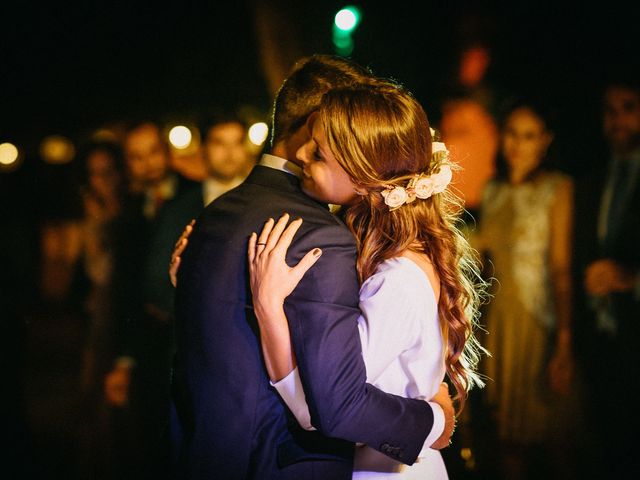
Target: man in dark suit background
[
  {"x": 608, "y": 278},
  {"x": 137, "y": 387},
  {"x": 225, "y": 152},
  {"x": 228, "y": 421}
]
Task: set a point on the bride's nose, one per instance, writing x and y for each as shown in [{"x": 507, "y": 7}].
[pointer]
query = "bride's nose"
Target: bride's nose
[{"x": 302, "y": 155}]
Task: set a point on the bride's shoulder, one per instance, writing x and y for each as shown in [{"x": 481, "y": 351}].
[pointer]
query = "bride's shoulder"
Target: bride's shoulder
[{"x": 397, "y": 276}]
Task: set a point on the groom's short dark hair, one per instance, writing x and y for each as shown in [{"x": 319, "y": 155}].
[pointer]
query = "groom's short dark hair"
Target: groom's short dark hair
[{"x": 301, "y": 92}]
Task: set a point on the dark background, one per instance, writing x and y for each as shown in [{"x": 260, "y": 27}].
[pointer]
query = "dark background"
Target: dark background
[{"x": 70, "y": 67}]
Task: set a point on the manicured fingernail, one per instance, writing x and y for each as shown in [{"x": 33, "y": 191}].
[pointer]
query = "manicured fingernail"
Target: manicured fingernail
[{"x": 317, "y": 252}]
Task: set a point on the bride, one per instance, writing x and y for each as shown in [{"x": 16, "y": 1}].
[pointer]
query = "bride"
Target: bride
[{"x": 371, "y": 151}]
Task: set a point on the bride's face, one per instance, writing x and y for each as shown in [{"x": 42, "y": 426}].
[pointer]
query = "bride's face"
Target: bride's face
[{"x": 323, "y": 177}]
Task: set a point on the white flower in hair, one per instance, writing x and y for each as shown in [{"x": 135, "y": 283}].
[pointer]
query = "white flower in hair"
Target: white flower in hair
[
  {"x": 441, "y": 179},
  {"x": 438, "y": 147},
  {"x": 424, "y": 187},
  {"x": 394, "y": 197}
]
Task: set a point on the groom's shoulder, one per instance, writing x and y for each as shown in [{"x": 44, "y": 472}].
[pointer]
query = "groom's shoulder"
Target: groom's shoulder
[
  {"x": 249, "y": 207},
  {"x": 327, "y": 226},
  {"x": 329, "y": 234}
]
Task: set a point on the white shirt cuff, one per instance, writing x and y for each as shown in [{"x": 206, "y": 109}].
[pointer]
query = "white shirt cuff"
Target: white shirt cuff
[
  {"x": 291, "y": 391},
  {"x": 438, "y": 425}
]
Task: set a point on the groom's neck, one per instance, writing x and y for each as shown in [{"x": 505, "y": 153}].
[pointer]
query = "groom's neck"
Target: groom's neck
[
  {"x": 286, "y": 150},
  {"x": 280, "y": 150}
]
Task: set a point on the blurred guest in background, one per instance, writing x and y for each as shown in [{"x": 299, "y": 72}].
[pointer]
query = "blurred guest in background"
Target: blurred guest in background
[
  {"x": 468, "y": 125},
  {"x": 60, "y": 213},
  {"x": 525, "y": 232},
  {"x": 188, "y": 161},
  {"x": 225, "y": 153},
  {"x": 138, "y": 383},
  {"x": 102, "y": 195},
  {"x": 102, "y": 189},
  {"x": 608, "y": 272}
]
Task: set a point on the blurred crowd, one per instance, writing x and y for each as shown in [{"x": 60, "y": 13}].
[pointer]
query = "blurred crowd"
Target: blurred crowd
[
  {"x": 104, "y": 250},
  {"x": 559, "y": 248}
]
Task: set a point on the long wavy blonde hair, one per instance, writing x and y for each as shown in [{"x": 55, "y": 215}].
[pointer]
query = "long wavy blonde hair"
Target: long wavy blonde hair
[{"x": 380, "y": 135}]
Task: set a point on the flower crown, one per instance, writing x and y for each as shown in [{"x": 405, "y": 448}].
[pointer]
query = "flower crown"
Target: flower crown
[{"x": 421, "y": 185}]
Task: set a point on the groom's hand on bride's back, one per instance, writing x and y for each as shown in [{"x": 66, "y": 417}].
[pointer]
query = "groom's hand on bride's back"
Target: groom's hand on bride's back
[{"x": 443, "y": 399}]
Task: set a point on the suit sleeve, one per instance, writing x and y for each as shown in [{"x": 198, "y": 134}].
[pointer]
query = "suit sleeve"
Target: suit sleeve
[{"x": 323, "y": 313}]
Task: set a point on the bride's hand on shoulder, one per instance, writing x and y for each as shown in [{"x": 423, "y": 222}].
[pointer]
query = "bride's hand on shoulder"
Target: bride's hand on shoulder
[
  {"x": 272, "y": 280},
  {"x": 178, "y": 248}
]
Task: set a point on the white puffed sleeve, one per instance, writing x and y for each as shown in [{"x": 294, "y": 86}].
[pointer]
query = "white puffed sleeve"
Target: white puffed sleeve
[{"x": 391, "y": 303}]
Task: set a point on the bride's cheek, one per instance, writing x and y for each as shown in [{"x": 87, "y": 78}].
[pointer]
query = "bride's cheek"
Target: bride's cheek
[{"x": 313, "y": 179}]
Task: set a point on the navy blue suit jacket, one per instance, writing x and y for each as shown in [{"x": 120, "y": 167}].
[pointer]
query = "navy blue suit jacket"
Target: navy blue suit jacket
[{"x": 229, "y": 423}]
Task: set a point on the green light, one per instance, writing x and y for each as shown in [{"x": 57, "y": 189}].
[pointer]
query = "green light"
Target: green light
[
  {"x": 345, "y": 22},
  {"x": 343, "y": 43},
  {"x": 347, "y": 19}
]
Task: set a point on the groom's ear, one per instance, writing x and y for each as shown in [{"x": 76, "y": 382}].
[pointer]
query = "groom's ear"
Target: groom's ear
[{"x": 311, "y": 119}]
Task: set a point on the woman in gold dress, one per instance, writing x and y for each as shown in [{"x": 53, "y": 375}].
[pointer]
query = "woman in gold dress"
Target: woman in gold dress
[{"x": 524, "y": 233}]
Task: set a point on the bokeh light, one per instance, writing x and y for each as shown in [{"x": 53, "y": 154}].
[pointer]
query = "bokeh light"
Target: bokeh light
[
  {"x": 57, "y": 149},
  {"x": 8, "y": 154},
  {"x": 180, "y": 137},
  {"x": 347, "y": 19},
  {"x": 258, "y": 133}
]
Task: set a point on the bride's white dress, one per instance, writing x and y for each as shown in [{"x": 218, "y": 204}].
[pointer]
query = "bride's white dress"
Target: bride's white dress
[{"x": 403, "y": 352}]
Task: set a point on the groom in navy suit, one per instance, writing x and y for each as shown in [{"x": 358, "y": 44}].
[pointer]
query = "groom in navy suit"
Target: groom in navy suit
[{"x": 227, "y": 420}]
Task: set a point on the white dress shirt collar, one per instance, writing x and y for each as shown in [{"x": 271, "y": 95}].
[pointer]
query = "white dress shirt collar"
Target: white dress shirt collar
[{"x": 280, "y": 163}]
